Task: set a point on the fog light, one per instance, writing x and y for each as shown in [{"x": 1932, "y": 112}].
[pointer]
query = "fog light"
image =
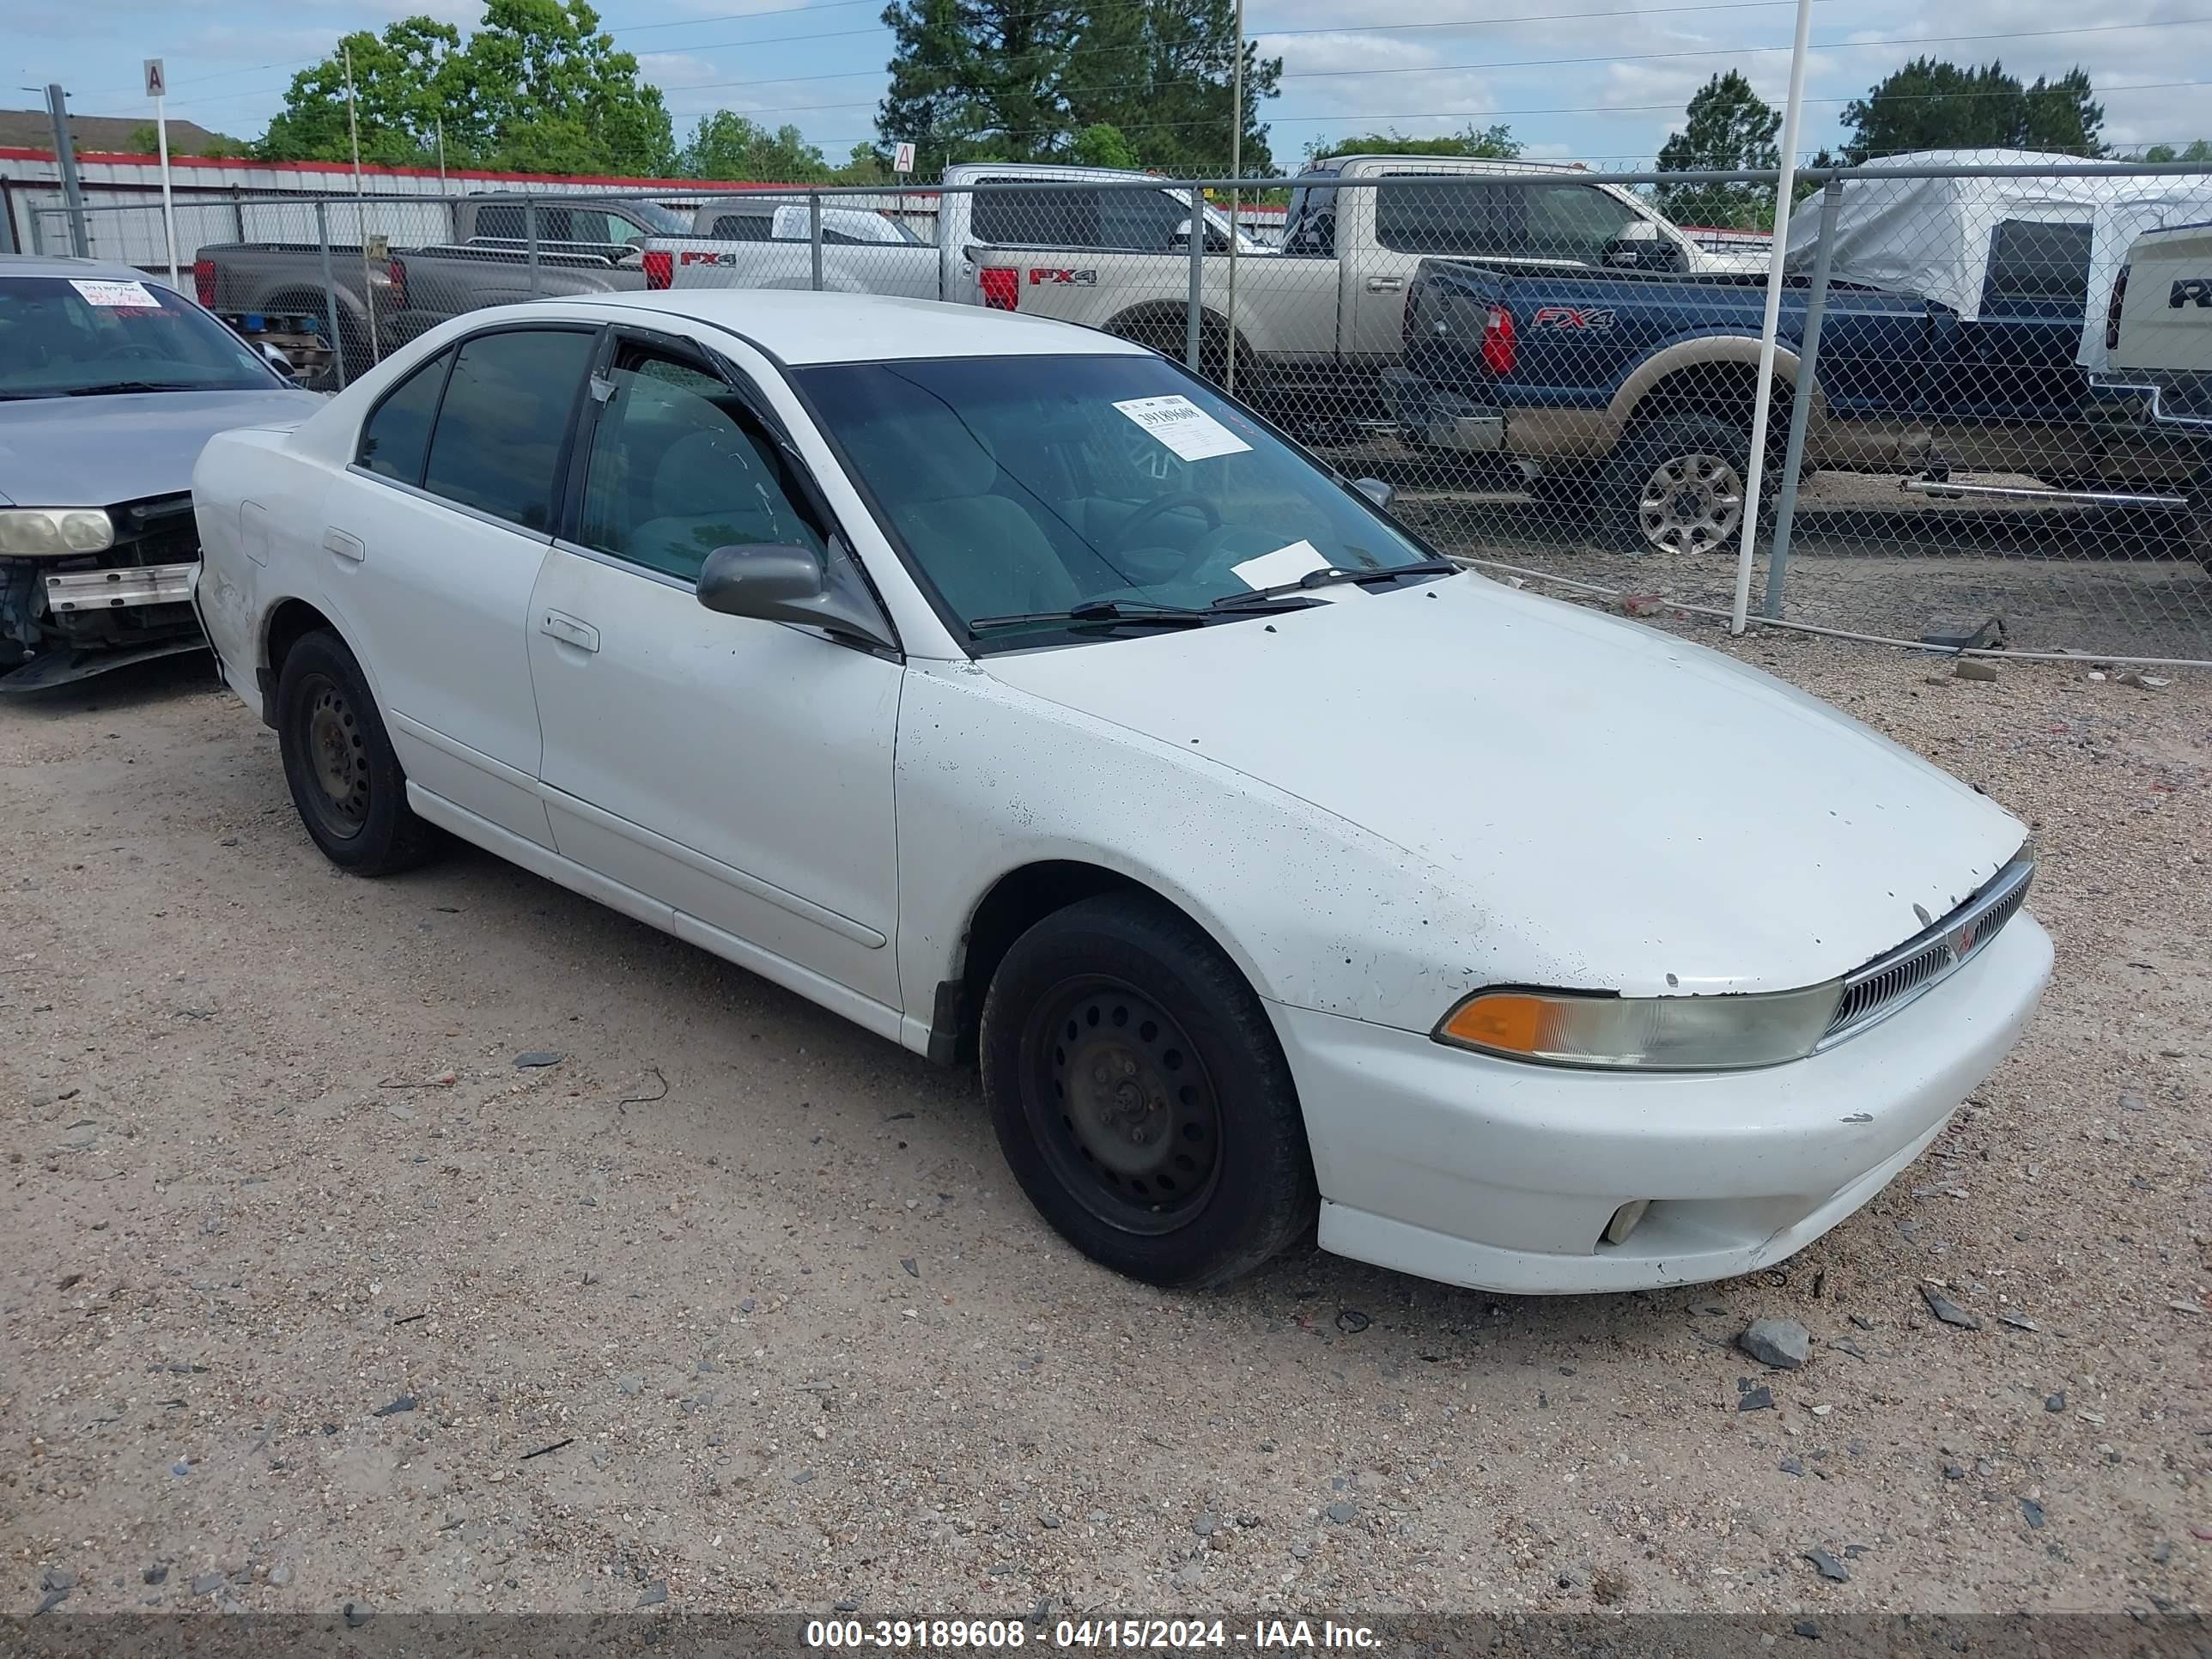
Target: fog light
[{"x": 1624, "y": 1221}]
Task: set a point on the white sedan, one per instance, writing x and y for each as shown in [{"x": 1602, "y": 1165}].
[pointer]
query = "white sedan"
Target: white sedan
[{"x": 1001, "y": 686}]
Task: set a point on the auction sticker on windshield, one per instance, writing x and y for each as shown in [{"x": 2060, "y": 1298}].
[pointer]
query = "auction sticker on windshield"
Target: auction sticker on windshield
[
  {"x": 132, "y": 295},
  {"x": 1183, "y": 427}
]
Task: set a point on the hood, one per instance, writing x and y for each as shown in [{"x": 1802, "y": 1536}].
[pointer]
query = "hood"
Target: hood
[
  {"x": 96, "y": 452},
  {"x": 1633, "y": 812}
]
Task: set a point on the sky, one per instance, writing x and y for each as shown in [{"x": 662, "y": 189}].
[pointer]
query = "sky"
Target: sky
[{"x": 1602, "y": 81}]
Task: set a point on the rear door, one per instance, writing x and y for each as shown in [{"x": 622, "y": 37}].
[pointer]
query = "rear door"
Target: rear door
[
  {"x": 1414, "y": 216},
  {"x": 431, "y": 545}
]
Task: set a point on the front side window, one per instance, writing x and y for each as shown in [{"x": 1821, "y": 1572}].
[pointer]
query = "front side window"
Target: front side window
[
  {"x": 395, "y": 439},
  {"x": 88, "y": 336},
  {"x": 679, "y": 466},
  {"x": 1573, "y": 221},
  {"x": 496, "y": 445},
  {"x": 2039, "y": 259},
  {"x": 1147, "y": 220},
  {"x": 1028, "y": 485}
]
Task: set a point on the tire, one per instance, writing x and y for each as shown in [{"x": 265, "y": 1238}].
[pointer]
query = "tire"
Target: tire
[
  {"x": 344, "y": 778},
  {"x": 1707, "y": 461},
  {"x": 1182, "y": 1161}
]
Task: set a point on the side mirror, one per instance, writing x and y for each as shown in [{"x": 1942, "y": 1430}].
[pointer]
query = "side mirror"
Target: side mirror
[
  {"x": 1377, "y": 491},
  {"x": 275, "y": 359},
  {"x": 770, "y": 583}
]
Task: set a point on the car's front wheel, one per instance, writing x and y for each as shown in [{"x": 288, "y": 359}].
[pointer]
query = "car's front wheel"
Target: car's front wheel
[
  {"x": 1141, "y": 1097},
  {"x": 344, "y": 777}
]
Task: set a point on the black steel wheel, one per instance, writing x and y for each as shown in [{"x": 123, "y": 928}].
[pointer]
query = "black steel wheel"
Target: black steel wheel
[
  {"x": 345, "y": 779},
  {"x": 1122, "y": 1104},
  {"x": 1141, "y": 1096}
]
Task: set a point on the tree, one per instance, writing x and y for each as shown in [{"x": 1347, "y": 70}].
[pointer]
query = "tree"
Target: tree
[
  {"x": 1727, "y": 127},
  {"x": 1102, "y": 145},
  {"x": 1013, "y": 81},
  {"x": 1931, "y": 105},
  {"x": 537, "y": 89},
  {"x": 2200, "y": 150},
  {"x": 725, "y": 145},
  {"x": 1496, "y": 141}
]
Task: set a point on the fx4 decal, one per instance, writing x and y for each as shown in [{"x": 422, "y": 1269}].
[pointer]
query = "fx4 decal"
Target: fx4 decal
[
  {"x": 1040, "y": 277},
  {"x": 1572, "y": 317},
  {"x": 2191, "y": 291}
]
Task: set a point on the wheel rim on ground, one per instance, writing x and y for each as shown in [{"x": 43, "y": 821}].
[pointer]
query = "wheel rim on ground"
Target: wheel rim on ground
[
  {"x": 336, "y": 757},
  {"x": 1121, "y": 1105},
  {"x": 1690, "y": 503}
]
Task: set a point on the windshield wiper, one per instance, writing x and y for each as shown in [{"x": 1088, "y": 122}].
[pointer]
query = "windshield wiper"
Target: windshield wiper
[
  {"x": 1132, "y": 613},
  {"x": 1332, "y": 575},
  {"x": 129, "y": 385}
]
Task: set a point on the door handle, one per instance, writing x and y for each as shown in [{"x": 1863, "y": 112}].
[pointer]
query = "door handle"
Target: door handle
[
  {"x": 1385, "y": 284},
  {"x": 569, "y": 631},
  {"x": 345, "y": 546}
]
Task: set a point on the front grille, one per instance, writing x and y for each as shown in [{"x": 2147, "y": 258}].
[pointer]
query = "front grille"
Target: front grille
[{"x": 1887, "y": 983}]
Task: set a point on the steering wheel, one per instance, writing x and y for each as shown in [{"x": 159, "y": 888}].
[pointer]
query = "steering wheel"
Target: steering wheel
[{"x": 1126, "y": 537}]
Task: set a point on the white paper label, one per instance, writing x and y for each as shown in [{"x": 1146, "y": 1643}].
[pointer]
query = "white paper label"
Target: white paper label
[
  {"x": 131, "y": 295},
  {"x": 1287, "y": 564},
  {"x": 1183, "y": 427}
]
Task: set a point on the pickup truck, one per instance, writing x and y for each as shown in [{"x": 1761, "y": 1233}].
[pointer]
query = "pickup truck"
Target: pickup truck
[
  {"x": 749, "y": 241},
  {"x": 767, "y": 241},
  {"x": 2158, "y": 352},
  {"x": 1324, "y": 312},
  {"x": 1636, "y": 390},
  {"x": 274, "y": 291}
]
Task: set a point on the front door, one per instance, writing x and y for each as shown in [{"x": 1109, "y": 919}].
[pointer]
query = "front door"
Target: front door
[{"x": 737, "y": 770}]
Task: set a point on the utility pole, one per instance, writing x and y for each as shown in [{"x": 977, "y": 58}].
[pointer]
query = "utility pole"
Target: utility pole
[
  {"x": 66, "y": 157},
  {"x": 1235, "y": 172},
  {"x": 360, "y": 215}
]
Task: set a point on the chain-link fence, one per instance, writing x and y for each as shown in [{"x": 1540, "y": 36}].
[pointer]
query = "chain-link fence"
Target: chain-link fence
[{"x": 1556, "y": 368}]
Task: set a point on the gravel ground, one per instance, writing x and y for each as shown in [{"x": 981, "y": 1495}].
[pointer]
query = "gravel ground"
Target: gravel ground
[{"x": 313, "y": 1295}]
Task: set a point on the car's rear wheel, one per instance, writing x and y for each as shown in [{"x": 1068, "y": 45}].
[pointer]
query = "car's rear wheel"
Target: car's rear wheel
[
  {"x": 1141, "y": 1096},
  {"x": 1678, "y": 486},
  {"x": 344, "y": 778}
]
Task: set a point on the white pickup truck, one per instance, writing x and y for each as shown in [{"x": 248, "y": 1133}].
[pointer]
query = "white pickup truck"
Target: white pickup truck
[
  {"x": 2158, "y": 346},
  {"x": 1327, "y": 309},
  {"x": 765, "y": 241}
]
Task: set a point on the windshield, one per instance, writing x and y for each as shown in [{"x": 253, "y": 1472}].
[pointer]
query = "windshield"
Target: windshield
[
  {"x": 1029, "y": 485},
  {"x": 664, "y": 222},
  {"x": 81, "y": 336}
]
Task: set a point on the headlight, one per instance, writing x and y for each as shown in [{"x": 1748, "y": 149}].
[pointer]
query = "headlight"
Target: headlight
[
  {"x": 1661, "y": 1033},
  {"x": 55, "y": 531}
]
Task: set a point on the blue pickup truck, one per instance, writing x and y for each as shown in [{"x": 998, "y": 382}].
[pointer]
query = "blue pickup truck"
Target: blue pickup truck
[{"x": 1633, "y": 391}]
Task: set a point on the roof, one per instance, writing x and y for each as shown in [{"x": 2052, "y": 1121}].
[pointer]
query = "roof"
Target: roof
[
  {"x": 799, "y": 327},
  {"x": 35, "y": 128},
  {"x": 50, "y": 265}
]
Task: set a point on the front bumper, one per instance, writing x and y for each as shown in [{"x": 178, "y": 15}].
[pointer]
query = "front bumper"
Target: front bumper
[
  {"x": 1502, "y": 1176},
  {"x": 1440, "y": 419}
]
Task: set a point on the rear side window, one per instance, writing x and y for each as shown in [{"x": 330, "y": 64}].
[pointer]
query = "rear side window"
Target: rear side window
[
  {"x": 1054, "y": 216},
  {"x": 2031, "y": 260},
  {"x": 397, "y": 436},
  {"x": 1436, "y": 215},
  {"x": 501, "y": 220},
  {"x": 743, "y": 228},
  {"x": 497, "y": 444}
]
